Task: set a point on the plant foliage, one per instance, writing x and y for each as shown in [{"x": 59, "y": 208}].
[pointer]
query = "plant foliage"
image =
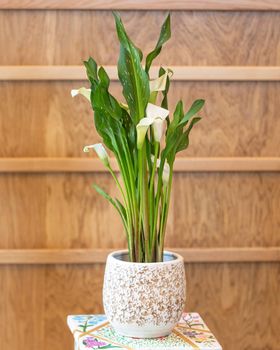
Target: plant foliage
[{"x": 144, "y": 138}]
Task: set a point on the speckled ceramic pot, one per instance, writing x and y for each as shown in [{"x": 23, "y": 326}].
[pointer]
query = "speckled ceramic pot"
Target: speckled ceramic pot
[{"x": 144, "y": 300}]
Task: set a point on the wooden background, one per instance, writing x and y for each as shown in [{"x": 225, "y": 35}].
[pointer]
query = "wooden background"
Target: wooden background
[{"x": 56, "y": 231}]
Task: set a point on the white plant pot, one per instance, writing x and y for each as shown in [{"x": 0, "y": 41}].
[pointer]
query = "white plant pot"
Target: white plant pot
[{"x": 144, "y": 300}]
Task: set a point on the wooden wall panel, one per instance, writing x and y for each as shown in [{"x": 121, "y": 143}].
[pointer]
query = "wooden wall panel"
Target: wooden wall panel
[
  {"x": 32, "y": 215},
  {"x": 204, "y": 5},
  {"x": 235, "y": 298},
  {"x": 207, "y": 210},
  {"x": 23, "y": 307},
  {"x": 23, "y": 211},
  {"x": 225, "y": 210},
  {"x": 240, "y": 119},
  {"x": 40, "y": 119},
  {"x": 199, "y": 38},
  {"x": 240, "y": 302},
  {"x": 70, "y": 290}
]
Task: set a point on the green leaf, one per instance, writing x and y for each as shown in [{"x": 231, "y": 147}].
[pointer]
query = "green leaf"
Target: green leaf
[
  {"x": 104, "y": 78},
  {"x": 107, "y": 196},
  {"x": 164, "y": 103},
  {"x": 91, "y": 69},
  {"x": 195, "y": 107},
  {"x": 102, "y": 100},
  {"x": 133, "y": 77},
  {"x": 164, "y": 36},
  {"x": 184, "y": 142},
  {"x": 121, "y": 208},
  {"x": 115, "y": 202},
  {"x": 177, "y": 116}
]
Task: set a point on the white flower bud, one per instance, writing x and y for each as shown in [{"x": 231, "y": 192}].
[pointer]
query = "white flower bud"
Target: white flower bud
[
  {"x": 157, "y": 127},
  {"x": 142, "y": 128},
  {"x": 165, "y": 173},
  {"x": 100, "y": 151},
  {"x": 82, "y": 91},
  {"x": 155, "y": 116}
]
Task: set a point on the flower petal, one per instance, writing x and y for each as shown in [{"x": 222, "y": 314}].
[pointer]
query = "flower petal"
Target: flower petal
[
  {"x": 158, "y": 129},
  {"x": 159, "y": 84},
  {"x": 100, "y": 151},
  {"x": 82, "y": 91},
  {"x": 153, "y": 159},
  {"x": 142, "y": 128},
  {"x": 153, "y": 111},
  {"x": 165, "y": 173},
  {"x": 166, "y": 170}
]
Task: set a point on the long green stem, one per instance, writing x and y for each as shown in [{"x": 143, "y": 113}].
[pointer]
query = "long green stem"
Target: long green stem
[
  {"x": 151, "y": 198},
  {"x": 164, "y": 215},
  {"x": 135, "y": 210},
  {"x": 144, "y": 204},
  {"x": 118, "y": 185},
  {"x": 157, "y": 201},
  {"x": 124, "y": 172}
]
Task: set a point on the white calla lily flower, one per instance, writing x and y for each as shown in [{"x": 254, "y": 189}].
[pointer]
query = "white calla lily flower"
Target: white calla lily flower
[
  {"x": 159, "y": 83},
  {"x": 100, "y": 151},
  {"x": 155, "y": 117},
  {"x": 154, "y": 111},
  {"x": 82, "y": 91},
  {"x": 165, "y": 173},
  {"x": 166, "y": 170},
  {"x": 142, "y": 128},
  {"x": 157, "y": 127}
]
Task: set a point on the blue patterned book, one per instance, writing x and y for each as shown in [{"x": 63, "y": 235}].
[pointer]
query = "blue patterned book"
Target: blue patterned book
[{"x": 95, "y": 332}]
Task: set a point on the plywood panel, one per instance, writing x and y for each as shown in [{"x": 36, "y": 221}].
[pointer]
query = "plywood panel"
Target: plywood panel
[
  {"x": 96, "y": 224},
  {"x": 225, "y": 210},
  {"x": 240, "y": 303},
  {"x": 48, "y": 165},
  {"x": 180, "y": 73},
  {"x": 142, "y": 4},
  {"x": 58, "y": 211},
  {"x": 228, "y": 296},
  {"x": 199, "y": 38},
  {"x": 239, "y": 119},
  {"x": 94, "y": 256},
  {"x": 23, "y": 211},
  {"x": 70, "y": 290},
  {"x": 42, "y": 119},
  {"x": 23, "y": 307},
  {"x": 207, "y": 210}
]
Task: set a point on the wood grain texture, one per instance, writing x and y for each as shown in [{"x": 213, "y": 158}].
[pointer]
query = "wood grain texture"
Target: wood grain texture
[
  {"x": 23, "y": 307},
  {"x": 182, "y": 164},
  {"x": 225, "y": 210},
  {"x": 208, "y": 210},
  {"x": 229, "y": 5},
  {"x": 93, "y": 256},
  {"x": 181, "y": 73},
  {"x": 221, "y": 215},
  {"x": 228, "y": 297},
  {"x": 237, "y": 297},
  {"x": 238, "y": 119},
  {"x": 198, "y": 38}
]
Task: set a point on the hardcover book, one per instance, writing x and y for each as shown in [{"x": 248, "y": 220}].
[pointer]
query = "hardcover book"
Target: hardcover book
[{"x": 95, "y": 332}]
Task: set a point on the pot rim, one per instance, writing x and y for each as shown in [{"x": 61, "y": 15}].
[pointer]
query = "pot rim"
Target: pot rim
[{"x": 178, "y": 258}]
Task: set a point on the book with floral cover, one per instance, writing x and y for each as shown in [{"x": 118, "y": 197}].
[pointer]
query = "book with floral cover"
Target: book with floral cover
[{"x": 95, "y": 332}]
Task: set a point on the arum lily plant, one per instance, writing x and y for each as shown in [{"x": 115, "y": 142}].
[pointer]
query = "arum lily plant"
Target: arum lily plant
[{"x": 144, "y": 136}]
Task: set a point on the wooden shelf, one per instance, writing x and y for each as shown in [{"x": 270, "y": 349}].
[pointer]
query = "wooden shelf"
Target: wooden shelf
[
  {"x": 181, "y": 73},
  {"x": 205, "y": 5},
  {"x": 95, "y": 256},
  {"x": 57, "y": 165}
]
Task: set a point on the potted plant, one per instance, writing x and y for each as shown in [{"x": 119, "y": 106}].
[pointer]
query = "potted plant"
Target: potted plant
[{"x": 144, "y": 286}]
